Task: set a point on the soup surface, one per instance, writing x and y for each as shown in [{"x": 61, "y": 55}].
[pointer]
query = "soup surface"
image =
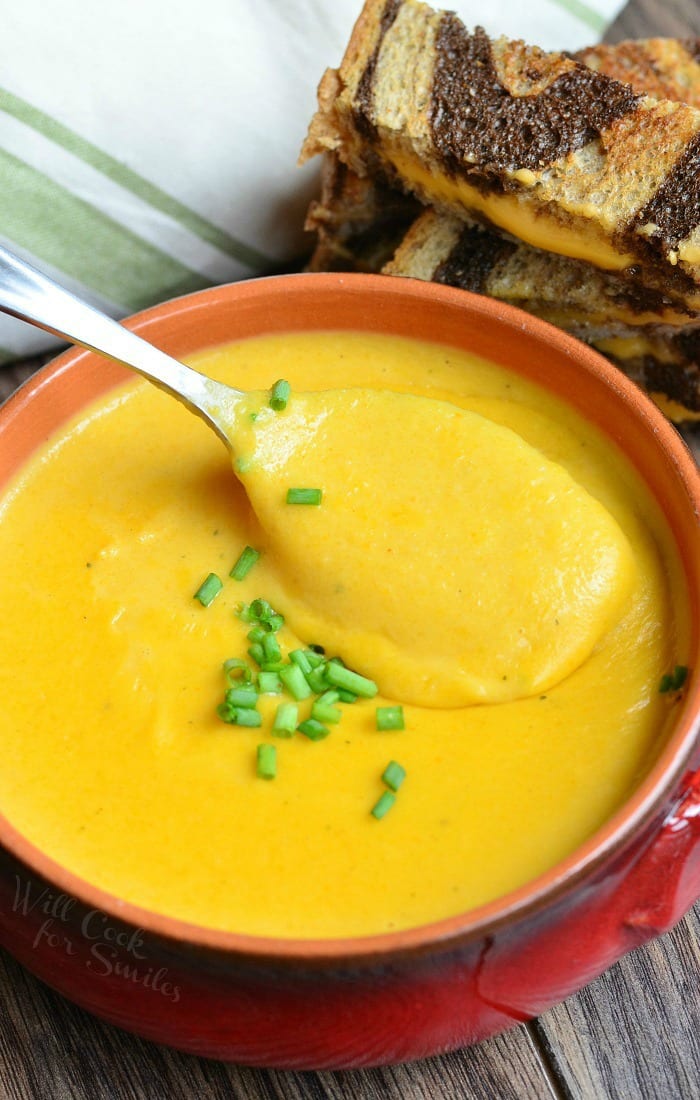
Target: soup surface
[{"x": 115, "y": 760}]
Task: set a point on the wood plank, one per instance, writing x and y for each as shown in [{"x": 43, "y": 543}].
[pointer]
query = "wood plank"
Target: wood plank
[
  {"x": 633, "y": 1033},
  {"x": 51, "y": 1050}
]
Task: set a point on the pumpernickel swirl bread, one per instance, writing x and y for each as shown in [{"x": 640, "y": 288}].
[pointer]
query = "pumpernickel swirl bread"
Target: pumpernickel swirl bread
[
  {"x": 358, "y": 222},
  {"x": 537, "y": 144},
  {"x": 663, "y": 68},
  {"x": 620, "y": 321},
  {"x": 589, "y": 303}
]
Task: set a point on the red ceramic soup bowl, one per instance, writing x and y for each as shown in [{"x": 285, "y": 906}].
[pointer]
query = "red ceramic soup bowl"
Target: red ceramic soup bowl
[{"x": 413, "y": 993}]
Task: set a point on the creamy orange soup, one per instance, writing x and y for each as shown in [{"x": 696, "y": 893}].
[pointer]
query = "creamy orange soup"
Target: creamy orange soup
[{"x": 521, "y": 613}]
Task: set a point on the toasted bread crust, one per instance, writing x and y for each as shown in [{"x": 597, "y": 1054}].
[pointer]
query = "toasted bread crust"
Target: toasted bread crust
[
  {"x": 573, "y": 295},
  {"x": 663, "y": 68},
  {"x": 359, "y": 222},
  {"x": 627, "y": 324},
  {"x": 592, "y": 154}
]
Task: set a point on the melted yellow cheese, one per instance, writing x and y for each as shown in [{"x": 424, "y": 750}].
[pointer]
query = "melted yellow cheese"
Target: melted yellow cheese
[
  {"x": 634, "y": 347},
  {"x": 583, "y": 240},
  {"x": 115, "y": 762}
]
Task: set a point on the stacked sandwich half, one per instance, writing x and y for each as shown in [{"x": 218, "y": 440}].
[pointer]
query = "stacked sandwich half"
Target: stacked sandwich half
[{"x": 566, "y": 185}]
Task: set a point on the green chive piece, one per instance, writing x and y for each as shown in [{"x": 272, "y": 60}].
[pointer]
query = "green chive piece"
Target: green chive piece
[
  {"x": 329, "y": 698},
  {"x": 275, "y": 622},
  {"x": 271, "y": 648},
  {"x": 245, "y": 563},
  {"x": 383, "y": 805},
  {"x": 261, "y": 610},
  {"x": 316, "y": 679},
  {"x": 285, "y": 721},
  {"x": 226, "y": 713},
  {"x": 273, "y": 666},
  {"x": 256, "y": 653},
  {"x": 393, "y": 775},
  {"x": 279, "y": 395},
  {"x": 326, "y": 713},
  {"x": 293, "y": 679},
  {"x": 300, "y": 658},
  {"x": 256, "y": 635},
  {"x": 269, "y": 683},
  {"x": 209, "y": 589},
  {"x": 245, "y": 696},
  {"x": 390, "y": 718},
  {"x": 343, "y": 677},
  {"x": 304, "y": 496},
  {"x": 267, "y": 761},
  {"x": 237, "y": 670},
  {"x": 673, "y": 681},
  {"x": 346, "y": 696},
  {"x": 244, "y": 613},
  {"x": 314, "y": 657},
  {"x": 314, "y": 730},
  {"x": 245, "y": 716}
]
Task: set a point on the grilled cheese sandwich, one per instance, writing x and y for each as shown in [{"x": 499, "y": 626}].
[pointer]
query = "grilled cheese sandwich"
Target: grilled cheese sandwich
[{"x": 539, "y": 145}]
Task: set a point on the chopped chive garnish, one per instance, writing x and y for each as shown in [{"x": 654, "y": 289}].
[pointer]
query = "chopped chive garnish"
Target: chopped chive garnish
[
  {"x": 314, "y": 657},
  {"x": 279, "y": 395},
  {"x": 304, "y": 496},
  {"x": 209, "y": 589},
  {"x": 256, "y": 653},
  {"x": 313, "y": 729},
  {"x": 261, "y": 610},
  {"x": 393, "y": 775},
  {"x": 316, "y": 679},
  {"x": 237, "y": 670},
  {"x": 298, "y": 657},
  {"x": 325, "y": 712},
  {"x": 245, "y": 563},
  {"x": 286, "y": 718},
  {"x": 256, "y": 635},
  {"x": 269, "y": 683},
  {"x": 390, "y": 718},
  {"x": 244, "y": 716},
  {"x": 293, "y": 679},
  {"x": 271, "y": 648},
  {"x": 343, "y": 677},
  {"x": 245, "y": 696},
  {"x": 329, "y": 698},
  {"x": 383, "y": 805},
  {"x": 275, "y": 622},
  {"x": 346, "y": 696},
  {"x": 226, "y": 713},
  {"x": 273, "y": 666},
  {"x": 267, "y": 761},
  {"x": 673, "y": 681}
]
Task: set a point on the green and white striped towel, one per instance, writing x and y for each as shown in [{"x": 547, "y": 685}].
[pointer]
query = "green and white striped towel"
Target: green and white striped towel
[{"x": 148, "y": 148}]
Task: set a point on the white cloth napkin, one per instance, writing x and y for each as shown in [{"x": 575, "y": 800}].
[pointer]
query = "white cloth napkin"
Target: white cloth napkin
[{"x": 148, "y": 148}]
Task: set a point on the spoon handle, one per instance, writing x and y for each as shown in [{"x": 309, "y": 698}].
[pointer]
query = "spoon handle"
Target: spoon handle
[{"x": 33, "y": 297}]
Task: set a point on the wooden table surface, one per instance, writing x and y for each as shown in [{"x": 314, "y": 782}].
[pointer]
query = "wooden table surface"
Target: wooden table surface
[{"x": 631, "y": 1035}]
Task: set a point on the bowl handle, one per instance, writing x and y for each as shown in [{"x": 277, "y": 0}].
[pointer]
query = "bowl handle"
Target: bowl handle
[{"x": 665, "y": 882}]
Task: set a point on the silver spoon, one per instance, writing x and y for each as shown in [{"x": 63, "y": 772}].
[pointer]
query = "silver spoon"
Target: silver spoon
[{"x": 31, "y": 296}]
